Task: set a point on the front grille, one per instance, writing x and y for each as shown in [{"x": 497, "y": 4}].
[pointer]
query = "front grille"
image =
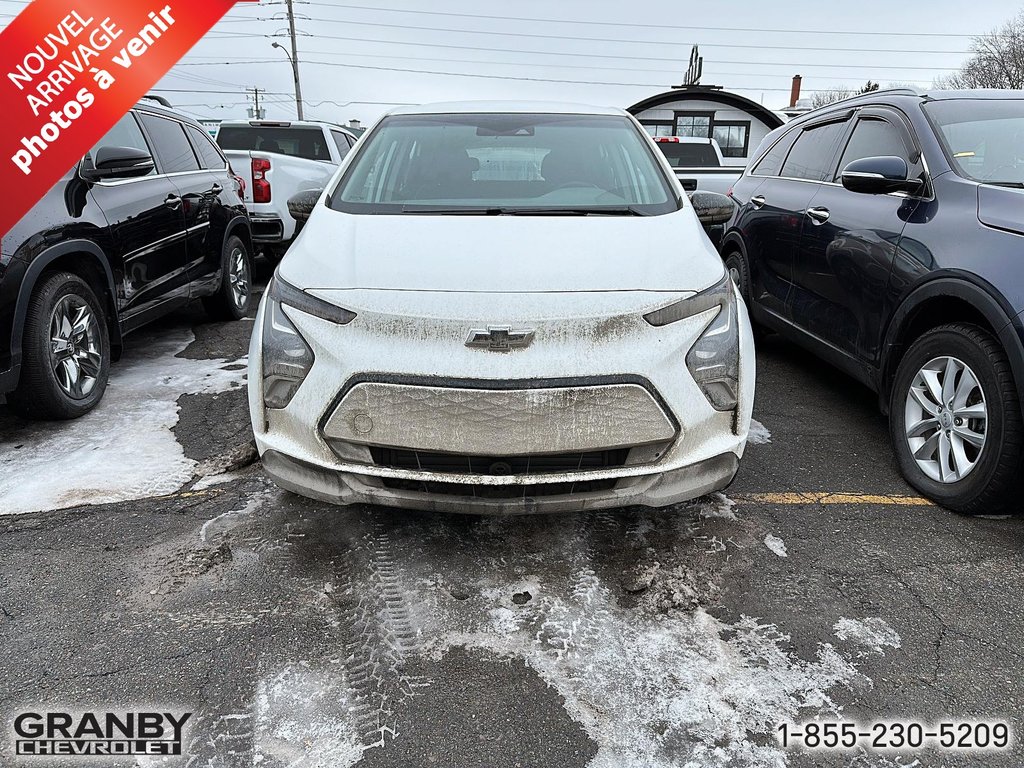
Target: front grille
[
  {"x": 472, "y": 490},
  {"x": 453, "y": 463}
]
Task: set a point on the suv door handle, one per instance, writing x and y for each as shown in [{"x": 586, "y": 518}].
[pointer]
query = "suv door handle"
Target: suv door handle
[
  {"x": 758, "y": 201},
  {"x": 173, "y": 202},
  {"x": 818, "y": 215}
]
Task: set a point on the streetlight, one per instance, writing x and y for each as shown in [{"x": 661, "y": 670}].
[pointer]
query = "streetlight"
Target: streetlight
[{"x": 295, "y": 74}]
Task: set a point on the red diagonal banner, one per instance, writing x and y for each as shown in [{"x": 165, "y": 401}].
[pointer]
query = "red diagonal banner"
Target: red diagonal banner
[{"x": 69, "y": 69}]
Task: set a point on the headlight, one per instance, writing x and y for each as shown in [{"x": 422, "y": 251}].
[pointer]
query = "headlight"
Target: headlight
[
  {"x": 714, "y": 359},
  {"x": 287, "y": 358}
]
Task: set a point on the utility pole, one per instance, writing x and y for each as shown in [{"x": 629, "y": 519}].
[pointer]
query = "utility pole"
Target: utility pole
[
  {"x": 254, "y": 111},
  {"x": 295, "y": 60}
]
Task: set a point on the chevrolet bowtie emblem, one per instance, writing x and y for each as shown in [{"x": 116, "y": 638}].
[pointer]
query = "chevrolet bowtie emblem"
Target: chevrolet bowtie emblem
[{"x": 500, "y": 338}]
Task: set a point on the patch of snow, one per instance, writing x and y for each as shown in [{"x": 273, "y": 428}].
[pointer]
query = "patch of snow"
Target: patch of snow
[
  {"x": 759, "y": 434},
  {"x": 124, "y": 449},
  {"x": 652, "y": 688},
  {"x": 211, "y": 480},
  {"x": 303, "y": 718},
  {"x": 872, "y": 633},
  {"x": 717, "y": 505},
  {"x": 254, "y": 503},
  {"x": 776, "y": 545}
]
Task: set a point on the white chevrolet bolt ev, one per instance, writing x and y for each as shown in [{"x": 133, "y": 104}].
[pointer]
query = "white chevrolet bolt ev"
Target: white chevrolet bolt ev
[{"x": 502, "y": 307}]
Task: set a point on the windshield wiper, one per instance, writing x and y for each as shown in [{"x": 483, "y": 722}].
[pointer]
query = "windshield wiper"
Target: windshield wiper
[
  {"x": 1011, "y": 184},
  {"x": 626, "y": 210}
]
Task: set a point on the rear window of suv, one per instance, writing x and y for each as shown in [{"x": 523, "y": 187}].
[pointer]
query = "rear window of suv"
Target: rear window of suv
[
  {"x": 689, "y": 155},
  {"x": 308, "y": 143}
]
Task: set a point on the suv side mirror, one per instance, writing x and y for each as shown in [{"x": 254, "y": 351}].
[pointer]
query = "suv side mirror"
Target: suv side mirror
[
  {"x": 711, "y": 207},
  {"x": 119, "y": 163},
  {"x": 301, "y": 205},
  {"x": 879, "y": 176}
]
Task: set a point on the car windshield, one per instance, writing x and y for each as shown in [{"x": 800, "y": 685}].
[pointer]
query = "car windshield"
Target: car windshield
[
  {"x": 984, "y": 138},
  {"x": 530, "y": 164}
]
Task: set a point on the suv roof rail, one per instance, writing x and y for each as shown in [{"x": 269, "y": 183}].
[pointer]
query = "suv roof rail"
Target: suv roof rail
[
  {"x": 906, "y": 89},
  {"x": 159, "y": 100}
]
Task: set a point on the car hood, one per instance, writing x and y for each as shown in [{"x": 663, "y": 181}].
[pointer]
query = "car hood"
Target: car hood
[
  {"x": 502, "y": 254},
  {"x": 1001, "y": 207}
]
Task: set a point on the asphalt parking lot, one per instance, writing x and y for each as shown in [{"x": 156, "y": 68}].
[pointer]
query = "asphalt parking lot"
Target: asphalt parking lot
[{"x": 299, "y": 634}]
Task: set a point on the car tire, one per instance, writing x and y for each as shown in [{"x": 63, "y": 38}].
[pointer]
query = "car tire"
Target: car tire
[
  {"x": 65, "y": 351},
  {"x": 981, "y": 478},
  {"x": 736, "y": 266},
  {"x": 233, "y": 298}
]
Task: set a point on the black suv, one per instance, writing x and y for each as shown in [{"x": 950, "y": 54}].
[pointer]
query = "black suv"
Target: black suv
[
  {"x": 151, "y": 218},
  {"x": 886, "y": 234}
]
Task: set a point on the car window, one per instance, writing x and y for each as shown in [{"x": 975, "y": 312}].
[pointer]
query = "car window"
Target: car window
[
  {"x": 689, "y": 155},
  {"x": 982, "y": 137},
  {"x": 126, "y": 133},
  {"x": 732, "y": 138},
  {"x": 812, "y": 155},
  {"x": 341, "y": 140},
  {"x": 173, "y": 152},
  {"x": 771, "y": 163},
  {"x": 873, "y": 138},
  {"x": 207, "y": 150},
  {"x": 294, "y": 141}
]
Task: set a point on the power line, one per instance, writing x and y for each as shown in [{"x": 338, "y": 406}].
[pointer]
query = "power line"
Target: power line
[
  {"x": 585, "y": 22},
  {"x": 492, "y": 49},
  {"x": 575, "y": 38},
  {"x": 560, "y": 66}
]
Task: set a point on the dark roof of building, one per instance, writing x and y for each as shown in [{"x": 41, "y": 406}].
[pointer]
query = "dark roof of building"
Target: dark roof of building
[{"x": 710, "y": 93}]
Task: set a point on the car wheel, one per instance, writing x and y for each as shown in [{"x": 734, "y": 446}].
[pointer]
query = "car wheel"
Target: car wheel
[
  {"x": 234, "y": 297},
  {"x": 65, "y": 351},
  {"x": 739, "y": 273},
  {"x": 955, "y": 419}
]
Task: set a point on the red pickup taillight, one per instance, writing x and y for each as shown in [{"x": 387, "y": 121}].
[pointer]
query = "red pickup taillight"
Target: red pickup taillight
[{"x": 260, "y": 185}]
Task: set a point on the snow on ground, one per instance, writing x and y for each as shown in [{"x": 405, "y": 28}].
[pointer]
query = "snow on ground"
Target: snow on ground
[
  {"x": 776, "y": 545},
  {"x": 653, "y": 688},
  {"x": 124, "y": 449},
  {"x": 759, "y": 434},
  {"x": 871, "y": 633}
]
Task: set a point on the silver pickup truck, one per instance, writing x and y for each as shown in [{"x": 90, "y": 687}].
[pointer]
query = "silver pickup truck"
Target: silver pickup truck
[{"x": 277, "y": 159}]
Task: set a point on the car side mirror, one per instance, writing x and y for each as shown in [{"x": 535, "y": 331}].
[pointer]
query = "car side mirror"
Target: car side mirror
[
  {"x": 301, "y": 204},
  {"x": 711, "y": 207},
  {"x": 119, "y": 163},
  {"x": 879, "y": 176}
]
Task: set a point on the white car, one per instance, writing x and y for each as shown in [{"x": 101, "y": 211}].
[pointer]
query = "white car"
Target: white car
[{"x": 502, "y": 307}]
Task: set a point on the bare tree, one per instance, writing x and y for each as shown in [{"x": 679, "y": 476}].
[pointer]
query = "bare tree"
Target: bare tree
[
  {"x": 996, "y": 61},
  {"x": 831, "y": 95}
]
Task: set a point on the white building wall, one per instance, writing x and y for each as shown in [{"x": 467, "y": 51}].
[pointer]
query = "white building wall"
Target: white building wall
[{"x": 722, "y": 112}]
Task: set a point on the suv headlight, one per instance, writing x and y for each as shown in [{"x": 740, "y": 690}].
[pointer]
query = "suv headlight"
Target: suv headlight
[
  {"x": 287, "y": 358},
  {"x": 714, "y": 359}
]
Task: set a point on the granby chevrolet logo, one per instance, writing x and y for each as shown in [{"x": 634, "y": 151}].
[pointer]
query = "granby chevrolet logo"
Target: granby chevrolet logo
[{"x": 91, "y": 734}]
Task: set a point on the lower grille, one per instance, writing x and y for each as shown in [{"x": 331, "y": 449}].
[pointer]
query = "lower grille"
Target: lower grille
[
  {"x": 475, "y": 491},
  {"x": 453, "y": 463}
]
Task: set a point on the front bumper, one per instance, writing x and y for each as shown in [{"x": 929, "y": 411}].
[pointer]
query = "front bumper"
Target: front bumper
[
  {"x": 590, "y": 382},
  {"x": 659, "y": 490}
]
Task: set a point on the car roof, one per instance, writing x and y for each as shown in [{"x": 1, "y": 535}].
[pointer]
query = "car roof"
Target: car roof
[
  {"x": 286, "y": 123},
  {"x": 506, "y": 107}
]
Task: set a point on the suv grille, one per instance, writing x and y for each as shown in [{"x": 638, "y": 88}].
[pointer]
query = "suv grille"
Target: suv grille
[{"x": 476, "y": 491}]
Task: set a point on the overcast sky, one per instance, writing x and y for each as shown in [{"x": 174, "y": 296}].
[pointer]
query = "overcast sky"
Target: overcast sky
[{"x": 356, "y": 54}]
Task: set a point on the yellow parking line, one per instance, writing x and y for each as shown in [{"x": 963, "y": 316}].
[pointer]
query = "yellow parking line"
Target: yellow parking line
[{"x": 831, "y": 498}]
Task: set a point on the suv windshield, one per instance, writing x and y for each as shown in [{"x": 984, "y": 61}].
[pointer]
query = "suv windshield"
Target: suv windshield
[
  {"x": 506, "y": 164},
  {"x": 984, "y": 138}
]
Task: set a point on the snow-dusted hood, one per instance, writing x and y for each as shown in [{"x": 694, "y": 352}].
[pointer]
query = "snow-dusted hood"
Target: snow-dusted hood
[{"x": 502, "y": 254}]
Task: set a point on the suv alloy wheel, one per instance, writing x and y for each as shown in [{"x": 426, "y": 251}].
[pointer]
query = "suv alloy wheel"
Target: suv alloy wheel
[
  {"x": 955, "y": 419},
  {"x": 66, "y": 349}
]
